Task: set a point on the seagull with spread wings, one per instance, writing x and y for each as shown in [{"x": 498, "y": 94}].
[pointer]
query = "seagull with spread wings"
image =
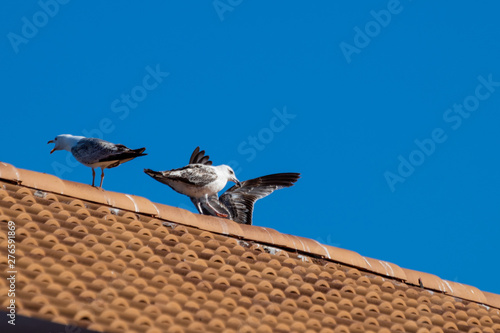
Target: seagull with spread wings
[{"x": 237, "y": 203}]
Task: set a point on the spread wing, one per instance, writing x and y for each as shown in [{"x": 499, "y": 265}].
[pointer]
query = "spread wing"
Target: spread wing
[
  {"x": 93, "y": 150},
  {"x": 192, "y": 174},
  {"x": 198, "y": 157},
  {"x": 211, "y": 206},
  {"x": 239, "y": 201}
]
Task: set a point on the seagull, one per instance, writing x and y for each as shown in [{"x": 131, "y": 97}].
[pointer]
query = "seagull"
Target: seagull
[
  {"x": 95, "y": 153},
  {"x": 237, "y": 203},
  {"x": 196, "y": 180}
]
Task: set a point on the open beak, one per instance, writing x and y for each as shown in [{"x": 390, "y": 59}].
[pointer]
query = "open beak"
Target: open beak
[{"x": 53, "y": 150}]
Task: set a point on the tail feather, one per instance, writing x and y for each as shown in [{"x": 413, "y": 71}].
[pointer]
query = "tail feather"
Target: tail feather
[{"x": 152, "y": 173}]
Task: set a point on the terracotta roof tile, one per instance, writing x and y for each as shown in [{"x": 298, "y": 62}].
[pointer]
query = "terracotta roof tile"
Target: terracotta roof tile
[{"x": 115, "y": 262}]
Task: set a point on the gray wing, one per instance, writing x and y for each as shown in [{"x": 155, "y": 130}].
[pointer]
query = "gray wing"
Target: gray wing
[
  {"x": 198, "y": 157},
  {"x": 211, "y": 206},
  {"x": 239, "y": 201},
  {"x": 93, "y": 150},
  {"x": 193, "y": 174}
]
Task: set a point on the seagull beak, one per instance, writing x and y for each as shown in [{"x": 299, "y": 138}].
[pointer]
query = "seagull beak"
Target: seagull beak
[
  {"x": 237, "y": 182},
  {"x": 53, "y": 150}
]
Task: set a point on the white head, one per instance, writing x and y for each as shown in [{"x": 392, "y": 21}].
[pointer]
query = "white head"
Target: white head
[
  {"x": 229, "y": 173},
  {"x": 65, "y": 142}
]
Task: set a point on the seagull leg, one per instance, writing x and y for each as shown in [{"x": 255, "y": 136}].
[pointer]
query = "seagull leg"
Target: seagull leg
[
  {"x": 198, "y": 206},
  {"x": 102, "y": 176},
  {"x": 93, "y": 176}
]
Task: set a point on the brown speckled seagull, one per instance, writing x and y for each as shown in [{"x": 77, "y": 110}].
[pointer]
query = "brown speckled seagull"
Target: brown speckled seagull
[
  {"x": 197, "y": 180},
  {"x": 237, "y": 203}
]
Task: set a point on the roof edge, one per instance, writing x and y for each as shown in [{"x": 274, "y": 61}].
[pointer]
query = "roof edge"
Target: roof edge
[{"x": 51, "y": 183}]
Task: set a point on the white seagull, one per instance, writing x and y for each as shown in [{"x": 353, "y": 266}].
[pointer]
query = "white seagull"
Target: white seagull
[
  {"x": 95, "y": 153},
  {"x": 196, "y": 180},
  {"x": 237, "y": 203}
]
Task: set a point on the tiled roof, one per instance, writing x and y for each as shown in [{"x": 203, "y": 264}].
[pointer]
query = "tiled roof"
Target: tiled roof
[{"x": 116, "y": 262}]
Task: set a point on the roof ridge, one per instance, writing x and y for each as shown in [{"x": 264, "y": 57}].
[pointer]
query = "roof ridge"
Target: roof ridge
[{"x": 141, "y": 205}]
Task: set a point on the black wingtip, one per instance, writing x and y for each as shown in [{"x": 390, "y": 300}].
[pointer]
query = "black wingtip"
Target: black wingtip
[
  {"x": 285, "y": 179},
  {"x": 198, "y": 157},
  {"x": 193, "y": 155},
  {"x": 139, "y": 152}
]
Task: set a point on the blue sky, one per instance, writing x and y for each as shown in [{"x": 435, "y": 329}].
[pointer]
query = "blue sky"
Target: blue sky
[{"x": 389, "y": 109}]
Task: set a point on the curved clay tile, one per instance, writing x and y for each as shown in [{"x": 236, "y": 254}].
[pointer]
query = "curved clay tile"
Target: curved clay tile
[
  {"x": 358, "y": 313},
  {"x": 27, "y": 198}
]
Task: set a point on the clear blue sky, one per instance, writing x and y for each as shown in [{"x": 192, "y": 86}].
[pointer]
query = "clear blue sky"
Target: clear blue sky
[{"x": 390, "y": 110}]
